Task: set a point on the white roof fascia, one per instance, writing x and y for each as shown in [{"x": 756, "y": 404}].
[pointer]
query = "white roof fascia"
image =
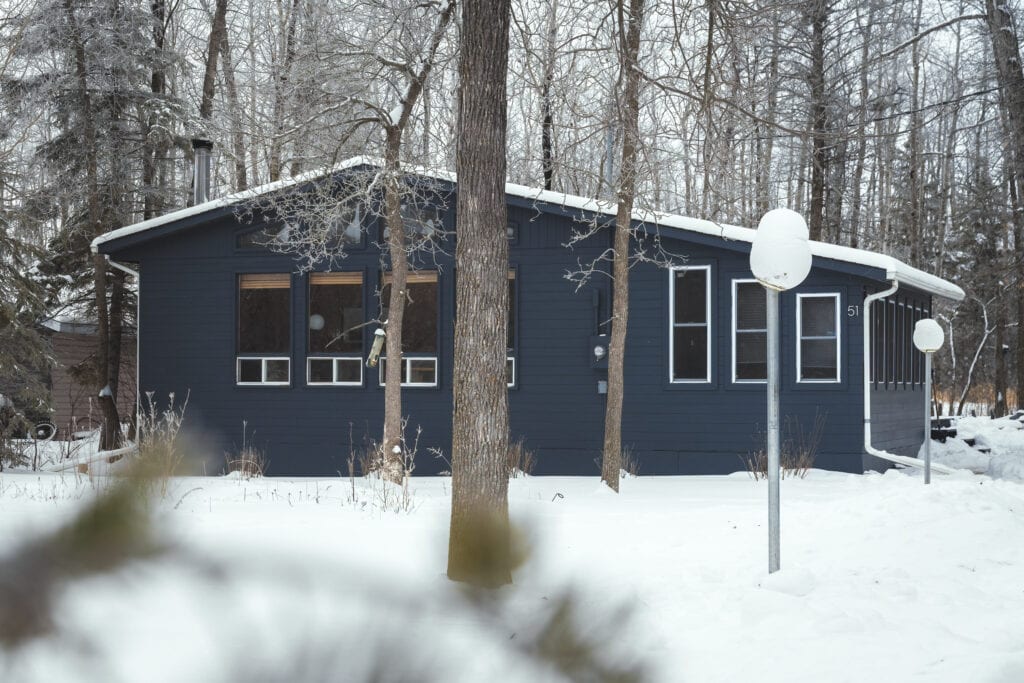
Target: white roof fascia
[{"x": 894, "y": 268}]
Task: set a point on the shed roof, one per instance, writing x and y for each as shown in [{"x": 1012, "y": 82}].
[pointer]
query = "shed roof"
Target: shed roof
[{"x": 893, "y": 268}]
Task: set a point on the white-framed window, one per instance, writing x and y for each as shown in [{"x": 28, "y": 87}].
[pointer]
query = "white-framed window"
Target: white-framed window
[
  {"x": 510, "y": 371},
  {"x": 334, "y": 342},
  {"x": 689, "y": 339},
  {"x": 264, "y": 329},
  {"x": 345, "y": 372},
  {"x": 817, "y": 328},
  {"x": 263, "y": 370},
  {"x": 749, "y": 331},
  {"x": 416, "y": 372}
]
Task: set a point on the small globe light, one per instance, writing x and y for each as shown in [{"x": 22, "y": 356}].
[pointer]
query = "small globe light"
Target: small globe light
[
  {"x": 780, "y": 256},
  {"x": 928, "y": 336},
  {"x": 599, "y": 352},
  {"x": 316, "y": 322}
]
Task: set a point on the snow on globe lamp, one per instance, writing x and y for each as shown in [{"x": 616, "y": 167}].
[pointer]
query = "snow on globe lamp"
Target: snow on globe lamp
[
  {"x": 928, "y": 336},
  {"x": 780, "y": 257}
]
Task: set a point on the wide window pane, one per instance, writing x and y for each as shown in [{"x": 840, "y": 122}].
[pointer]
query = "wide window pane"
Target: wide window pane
[
  {"x": 691, "y": 296},
  {"x": 419, "y": 325},
  {"x": 336, "y": 313},
  {"x": 819, "y": 337},
  {"x": 263, "y": 313},
  {"x": 818, "y": 359},
  {"x": 690, "y": 351},
  {"x": 350, "y": 370},
  {"x": 819, "y": 317},
  {"x": 277, "y": 369}
]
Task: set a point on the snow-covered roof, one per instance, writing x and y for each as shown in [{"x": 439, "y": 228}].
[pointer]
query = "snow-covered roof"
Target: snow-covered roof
[{"x": 894, "y": 268}]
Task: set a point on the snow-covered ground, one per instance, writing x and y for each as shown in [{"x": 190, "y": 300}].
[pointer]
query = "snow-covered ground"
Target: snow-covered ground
[{"x": 883, "y": 579}]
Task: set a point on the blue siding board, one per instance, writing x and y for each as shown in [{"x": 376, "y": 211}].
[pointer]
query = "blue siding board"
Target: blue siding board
[{"x": 188, "y": 329}]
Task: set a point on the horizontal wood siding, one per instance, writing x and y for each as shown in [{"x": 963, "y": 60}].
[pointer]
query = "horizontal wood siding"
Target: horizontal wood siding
[{"x": 188, "y": 347}]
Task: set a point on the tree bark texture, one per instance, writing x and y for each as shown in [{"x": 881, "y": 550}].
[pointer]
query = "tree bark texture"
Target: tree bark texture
[
  {"x": 392, "y": 444},
  {"x": 819, "y": 118},
  {"x": 218, "y": 33},
  {"x": 630, "y": 24},
  {"x": 479, "y": 543},
  {"x": 1010, "y": 76}
]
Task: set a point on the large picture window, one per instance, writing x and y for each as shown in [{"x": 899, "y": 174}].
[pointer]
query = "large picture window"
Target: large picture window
[
  {"x": 749, "y": 331},
  {"x": 817, "y": 321},
  {"x": 264, "y": 329},
  {"x": 419, "y": 328},
  {"x": 335, "y": 318},
  {"x": 690, "y": 309}
]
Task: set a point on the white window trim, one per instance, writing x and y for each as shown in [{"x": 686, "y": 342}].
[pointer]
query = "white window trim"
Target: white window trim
[
  {"x": 672, "y": 324},
  {"x": 799, "y": 338},
  {"x": 511, "y": 359},
  {"x": 735, "y": 311},
  {"x": 408, "y": 371},
  {"x": 263, "y": 371},
  {"x": 334, "y": 371}
]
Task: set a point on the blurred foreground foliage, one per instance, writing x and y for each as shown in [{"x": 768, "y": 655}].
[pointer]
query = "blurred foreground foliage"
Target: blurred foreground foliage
[{"x": 557, "y": 639}]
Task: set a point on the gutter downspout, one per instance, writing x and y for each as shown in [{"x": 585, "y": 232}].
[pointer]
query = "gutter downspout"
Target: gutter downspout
[
  {"x": 871, "y": 450},
  {"x": 138, "y": 336}
]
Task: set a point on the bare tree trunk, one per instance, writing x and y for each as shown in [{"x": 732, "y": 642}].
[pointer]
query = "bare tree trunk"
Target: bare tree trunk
[
  {"x": 629, "y": 120},
  {"x": 218, "y": 33},
  {"x": 999, "y": 404},
  {"x": 392, "y": 443},
  {"x": 237, "y": 134},
  {"x": 111, "y": 433},
  {"x": 548, "y": 121},
  {"x": 1010, "y": 76},
  {"x": 281, "y": 80},
  {"x": 819, "y": 118},
  {"x": 914, "y": 175},
  {"x": 479, "y": 544}
]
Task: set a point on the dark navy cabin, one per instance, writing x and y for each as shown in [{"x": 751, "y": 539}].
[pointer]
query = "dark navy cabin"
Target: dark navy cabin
[{"x": 252, "y": 339}]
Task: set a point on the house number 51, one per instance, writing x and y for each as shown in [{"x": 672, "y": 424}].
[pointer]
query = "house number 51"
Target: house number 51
[{"x": 853, "y": 311}]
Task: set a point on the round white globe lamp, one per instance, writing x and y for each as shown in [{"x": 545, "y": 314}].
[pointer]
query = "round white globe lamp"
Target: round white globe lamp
[
  {"x": 780, "y": 259},
  {"x": 928, "y": 338}
]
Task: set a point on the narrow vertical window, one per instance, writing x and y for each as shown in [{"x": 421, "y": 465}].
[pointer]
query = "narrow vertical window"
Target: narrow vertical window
[
  {"x": 335, "y": 319},
  {"x": 510, "y": 357},
  {"x": 264, "y": 329},
  {"x": 419, "y": 328},
  {"x": 750, "y": 332},
  {"x": 690, "y": 343},
  {"x": 818, "y": 332},
  {"x": 878, "y": 342},
  {"x": 890, "y": 342}
]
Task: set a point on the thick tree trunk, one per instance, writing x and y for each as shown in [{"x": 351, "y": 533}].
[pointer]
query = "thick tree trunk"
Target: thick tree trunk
[
  {"x": 547, "y": 116},
  {"x": 218, "y": 32},
  {"x": 999, "y": 402},
  {"x": 281, "y": 95},
  {"x": 479, "y": 543},
  {"x": 237, "y": 135},
  {"x": 819, "y": 119},
  {"x": 1010, "y": 75},
  {"x": 111, "y": 431},
  {"x": 629, "y": 120},
  {"x": 393, "y": 442}
]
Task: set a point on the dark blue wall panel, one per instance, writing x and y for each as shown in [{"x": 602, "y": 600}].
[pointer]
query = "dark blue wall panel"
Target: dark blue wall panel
[{"x": 187, "y": 334}]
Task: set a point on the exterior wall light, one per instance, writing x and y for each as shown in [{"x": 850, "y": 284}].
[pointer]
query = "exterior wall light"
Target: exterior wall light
[
  {"x": 599, "y": 352},
  {"x": 928, "y": 338}
]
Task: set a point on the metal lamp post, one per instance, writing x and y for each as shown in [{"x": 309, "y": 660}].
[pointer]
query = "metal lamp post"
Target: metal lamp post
[
  {"x": 928, "y": 338},
  {"x": 780, "y": 259}
]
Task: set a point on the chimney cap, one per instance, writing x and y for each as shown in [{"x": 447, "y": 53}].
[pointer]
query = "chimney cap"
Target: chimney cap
[{"x": 201, "y": 143}]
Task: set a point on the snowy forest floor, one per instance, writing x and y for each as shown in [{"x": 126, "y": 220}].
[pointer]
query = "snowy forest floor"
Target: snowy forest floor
[{"x": 883, "y": 579}]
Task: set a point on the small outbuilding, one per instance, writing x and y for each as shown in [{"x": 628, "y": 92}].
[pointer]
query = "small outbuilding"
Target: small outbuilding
[{"x": 254, "y": 339}]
